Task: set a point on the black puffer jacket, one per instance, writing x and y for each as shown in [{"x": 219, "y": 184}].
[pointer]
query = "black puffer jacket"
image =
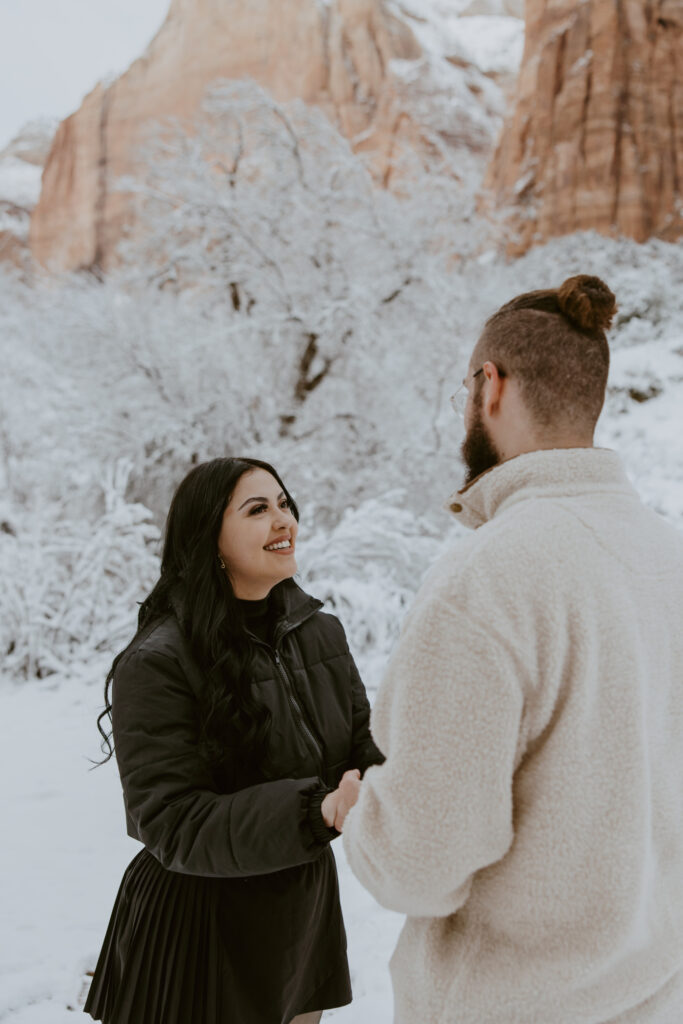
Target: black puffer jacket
[{"x": 196, "y": 824}]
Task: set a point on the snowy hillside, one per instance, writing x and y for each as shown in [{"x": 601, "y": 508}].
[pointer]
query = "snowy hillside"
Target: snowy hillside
[
  {"x": 19, "y": 181},
  {"x": 492, "y": 42},
  {"x": 21, "y": 168}
]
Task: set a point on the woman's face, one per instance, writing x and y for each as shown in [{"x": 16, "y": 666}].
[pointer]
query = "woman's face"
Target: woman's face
[{"x": 258, "y": 536}]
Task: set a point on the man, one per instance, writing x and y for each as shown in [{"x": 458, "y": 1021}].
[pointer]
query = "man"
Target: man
[{"x": 529, "y": 816}]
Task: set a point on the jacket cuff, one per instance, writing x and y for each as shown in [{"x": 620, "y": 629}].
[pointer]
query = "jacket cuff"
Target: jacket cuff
[
  {"x": 374, "y": 757},
  {"x": 321, "y": 833}
]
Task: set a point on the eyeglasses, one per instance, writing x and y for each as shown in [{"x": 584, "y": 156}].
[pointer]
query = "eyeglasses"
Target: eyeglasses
[{"x": 459, "y": 399}]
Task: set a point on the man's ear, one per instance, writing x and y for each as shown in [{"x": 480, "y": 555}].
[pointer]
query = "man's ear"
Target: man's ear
[{"x": 493, "y": 389}]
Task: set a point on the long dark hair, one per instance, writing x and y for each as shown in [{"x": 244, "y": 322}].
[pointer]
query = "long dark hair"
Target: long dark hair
[{"x": 194, "y": 588}]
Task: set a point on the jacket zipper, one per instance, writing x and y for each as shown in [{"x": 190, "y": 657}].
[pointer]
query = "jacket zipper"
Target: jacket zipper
[
  {"x": 297, "y": 708},
  {"x": 284, "y": 628}
]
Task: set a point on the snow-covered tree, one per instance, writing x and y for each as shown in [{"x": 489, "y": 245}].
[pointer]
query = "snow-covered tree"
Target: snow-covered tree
[{"x": 277, "y": 304}]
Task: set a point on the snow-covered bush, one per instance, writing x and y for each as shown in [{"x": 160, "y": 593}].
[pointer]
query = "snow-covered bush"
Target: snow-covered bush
[
  {"x": 367, "y": 569},
  {"x": 279, "y": 305},
  {"x": 346, "y": 291},
  {"x": 70, "y": 587}
]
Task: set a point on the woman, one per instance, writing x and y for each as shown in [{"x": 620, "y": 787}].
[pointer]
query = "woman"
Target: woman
[{"x": 236, "y": 710}]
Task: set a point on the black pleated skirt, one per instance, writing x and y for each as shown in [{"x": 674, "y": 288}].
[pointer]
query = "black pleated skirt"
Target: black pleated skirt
[{"x": 184, "y": 949}]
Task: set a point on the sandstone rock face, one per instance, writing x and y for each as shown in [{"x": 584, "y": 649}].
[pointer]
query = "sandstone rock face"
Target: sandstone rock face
[
  {"x": 333, "y": 54},
  {"x": 596, "y": 136}
]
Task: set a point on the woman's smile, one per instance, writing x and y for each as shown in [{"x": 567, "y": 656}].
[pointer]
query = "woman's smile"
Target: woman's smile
[
  {"x": 281, "y": 547},
  {"x": 258, "y": 519}
]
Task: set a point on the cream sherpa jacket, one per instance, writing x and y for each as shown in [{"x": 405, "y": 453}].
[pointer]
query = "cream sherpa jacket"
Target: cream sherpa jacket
[{"x": 529, "y": 816}]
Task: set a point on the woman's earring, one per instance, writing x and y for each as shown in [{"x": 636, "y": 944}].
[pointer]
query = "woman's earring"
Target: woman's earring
[{"x": 221, "y": 562}]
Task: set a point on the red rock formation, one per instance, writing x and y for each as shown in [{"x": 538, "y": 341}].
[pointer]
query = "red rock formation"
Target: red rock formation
[
  {"x": 596, "y": 136},
  {"x": 333, "y": 54}
]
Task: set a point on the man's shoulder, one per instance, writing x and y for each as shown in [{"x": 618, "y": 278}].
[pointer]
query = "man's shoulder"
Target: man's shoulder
[
  {"x": 507, "y": 559},
  {"x": 525, "y": 527}
]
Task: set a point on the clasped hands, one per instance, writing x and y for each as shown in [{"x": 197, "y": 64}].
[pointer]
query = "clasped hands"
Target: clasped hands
[{"x": 337, "y": 804}]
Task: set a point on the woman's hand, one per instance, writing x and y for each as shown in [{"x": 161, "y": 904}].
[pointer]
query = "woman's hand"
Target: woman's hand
[
  {"x": 349, "y": 791},
  {"x": 337, "y": 804}
]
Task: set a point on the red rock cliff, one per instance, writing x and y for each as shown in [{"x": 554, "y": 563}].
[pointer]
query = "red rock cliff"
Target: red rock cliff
[
  {"x": 333, "y": 54},
  {"x": 595, "y": 139}
]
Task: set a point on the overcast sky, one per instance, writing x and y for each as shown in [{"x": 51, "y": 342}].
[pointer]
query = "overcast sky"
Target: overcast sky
[{"x": 52, "y": 52}]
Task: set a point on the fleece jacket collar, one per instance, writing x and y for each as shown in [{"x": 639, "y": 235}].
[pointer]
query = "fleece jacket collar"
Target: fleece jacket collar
[{"x": 555, "y": 472}]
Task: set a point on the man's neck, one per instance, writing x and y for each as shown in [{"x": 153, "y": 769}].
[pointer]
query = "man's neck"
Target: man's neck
[{"x": 542, "y": 442}]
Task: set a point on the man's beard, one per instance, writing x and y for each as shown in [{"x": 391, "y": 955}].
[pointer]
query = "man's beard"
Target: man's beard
[{"x": 478, "y": 451}]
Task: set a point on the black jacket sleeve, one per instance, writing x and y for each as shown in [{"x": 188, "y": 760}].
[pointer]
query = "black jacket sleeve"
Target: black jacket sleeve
[
  {"x": 170, "y": 800},
  {"x": 364, "y": 750}
]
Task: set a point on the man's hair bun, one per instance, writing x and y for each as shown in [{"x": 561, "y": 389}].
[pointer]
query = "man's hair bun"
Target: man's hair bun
[{"x": 587, "y": 302}]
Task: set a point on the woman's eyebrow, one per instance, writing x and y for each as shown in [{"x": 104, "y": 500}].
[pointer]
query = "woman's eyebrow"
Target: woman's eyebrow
[{"x": 264, "y": 500}]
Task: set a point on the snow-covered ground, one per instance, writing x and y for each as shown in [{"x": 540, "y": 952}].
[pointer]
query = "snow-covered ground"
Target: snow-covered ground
[{"x": 65, "y": 848}]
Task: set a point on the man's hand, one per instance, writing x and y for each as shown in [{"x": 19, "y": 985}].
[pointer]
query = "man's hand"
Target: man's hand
[{"x": 337, "y": 804}]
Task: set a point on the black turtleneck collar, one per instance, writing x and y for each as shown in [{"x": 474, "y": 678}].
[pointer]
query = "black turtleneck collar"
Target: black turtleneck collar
[
  {"x": 286, "y": 606},
  {"x": 254, "y": 609}
]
